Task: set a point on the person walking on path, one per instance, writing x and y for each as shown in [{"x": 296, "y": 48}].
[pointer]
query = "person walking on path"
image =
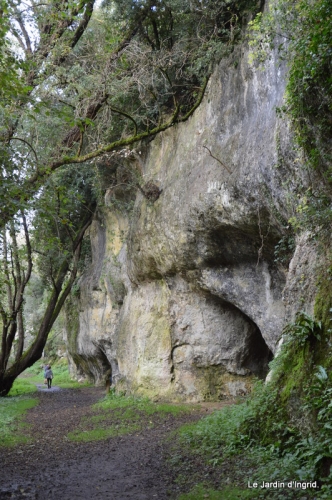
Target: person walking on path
[
  {"x": 45, "y": 369},
  {"x": 49, "y": 376}
]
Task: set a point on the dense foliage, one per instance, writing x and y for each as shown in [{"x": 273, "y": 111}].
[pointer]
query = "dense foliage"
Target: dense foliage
[{"x": 283, "y": 432}]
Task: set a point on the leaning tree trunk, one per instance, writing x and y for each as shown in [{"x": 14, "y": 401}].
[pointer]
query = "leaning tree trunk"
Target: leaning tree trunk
[
  {"x": 35, "y": 351},
  {"x": 54, "y": 306}
]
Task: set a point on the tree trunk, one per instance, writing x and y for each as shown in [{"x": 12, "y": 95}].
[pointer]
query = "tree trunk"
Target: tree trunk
[
  {"x": 55, "y": 303},
  {"x": 5, "y": 385}
]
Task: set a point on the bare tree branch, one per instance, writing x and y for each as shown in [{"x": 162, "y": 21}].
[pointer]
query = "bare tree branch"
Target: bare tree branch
[
  {"x": 28, "y": 247},
  {"x": 123, "y": 113},
  {"x": 28, "y": 48},
  {"x": 18, "y": 38},
  {"x": 215, "y": 158},
  {"x": 28, "y": 144}
]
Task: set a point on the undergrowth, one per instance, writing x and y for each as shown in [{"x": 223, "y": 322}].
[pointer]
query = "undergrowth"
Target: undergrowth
[{"x": 284, "y": 429}]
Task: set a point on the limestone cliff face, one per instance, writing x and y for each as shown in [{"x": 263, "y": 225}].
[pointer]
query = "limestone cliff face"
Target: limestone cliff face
[{"x": 184, "y": 299}]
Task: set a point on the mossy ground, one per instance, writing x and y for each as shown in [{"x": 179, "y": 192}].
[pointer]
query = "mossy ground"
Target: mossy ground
[{"x": 323, "y": 312}]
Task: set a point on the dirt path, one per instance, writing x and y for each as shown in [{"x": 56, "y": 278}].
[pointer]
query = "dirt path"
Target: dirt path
[{"x": 53, "y": 468}]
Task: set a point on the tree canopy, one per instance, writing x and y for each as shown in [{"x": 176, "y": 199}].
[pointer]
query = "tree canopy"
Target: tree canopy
[{"x": 91, "y": 84}]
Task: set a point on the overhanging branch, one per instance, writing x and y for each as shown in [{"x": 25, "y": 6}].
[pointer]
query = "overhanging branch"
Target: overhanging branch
[{"x": 32, "y": 184}]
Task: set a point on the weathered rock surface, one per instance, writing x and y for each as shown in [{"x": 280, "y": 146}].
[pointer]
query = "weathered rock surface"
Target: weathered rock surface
[{"x": 184, "y": 299}]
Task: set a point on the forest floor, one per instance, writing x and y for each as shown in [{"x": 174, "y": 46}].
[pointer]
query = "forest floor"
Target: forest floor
[{"x": 50, "y": 466}]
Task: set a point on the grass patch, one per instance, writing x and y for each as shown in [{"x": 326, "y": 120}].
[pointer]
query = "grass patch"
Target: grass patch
[
  {"x": 12, "y": 411},
  {"x": 117, "y": 415},
  {"x": 99, "y": 433},
  {"x": 22, "y": 386},
  {"x": 218, "y": 435},
  {"x": 203, "y": 492},
  {"x": 145, "y": 405},
  {"x": 62, "y": 378}
]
